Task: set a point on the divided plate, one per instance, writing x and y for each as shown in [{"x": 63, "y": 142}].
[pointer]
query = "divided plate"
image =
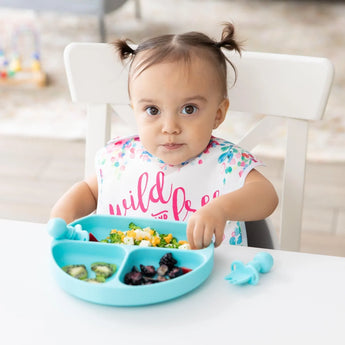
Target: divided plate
[{"x": 114, "y": 291}]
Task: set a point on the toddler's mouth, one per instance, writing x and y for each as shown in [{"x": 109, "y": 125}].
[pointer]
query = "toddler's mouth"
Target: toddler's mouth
[{"x": 172, "y": 146}]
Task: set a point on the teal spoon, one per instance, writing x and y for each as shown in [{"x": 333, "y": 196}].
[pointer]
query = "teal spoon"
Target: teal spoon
[
  {"x": 59, "y": 230},
  {"x": 249, "y": 274}
]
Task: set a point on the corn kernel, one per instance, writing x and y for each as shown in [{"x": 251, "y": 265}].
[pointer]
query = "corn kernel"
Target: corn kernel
[
  {"x": 155, "y": 240},
  {"x": 131, "y": 233},
  {"x": 168, "y": 238}
]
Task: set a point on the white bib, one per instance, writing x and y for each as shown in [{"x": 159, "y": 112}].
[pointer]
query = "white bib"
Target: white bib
[{"x": 132, "y": 182}]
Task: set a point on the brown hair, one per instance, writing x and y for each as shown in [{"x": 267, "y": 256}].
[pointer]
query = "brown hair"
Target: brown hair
[{"x": 178, "y": 47}]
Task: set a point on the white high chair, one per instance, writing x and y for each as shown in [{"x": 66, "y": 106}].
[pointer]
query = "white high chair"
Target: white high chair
[{"x": 275, "y": 85}]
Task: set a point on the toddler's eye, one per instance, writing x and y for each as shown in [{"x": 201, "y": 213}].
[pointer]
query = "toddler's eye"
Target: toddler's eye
[
  {"x": 189, "y": 109},
  {"x": 152, "y": 110}
]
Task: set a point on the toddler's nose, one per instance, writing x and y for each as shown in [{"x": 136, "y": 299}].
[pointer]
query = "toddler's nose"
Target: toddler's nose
[{"x": 171, "y": 125}]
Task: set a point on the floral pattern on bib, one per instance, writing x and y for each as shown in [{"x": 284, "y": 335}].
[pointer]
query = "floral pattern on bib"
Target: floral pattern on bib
[{"x": 131, "y": 181}]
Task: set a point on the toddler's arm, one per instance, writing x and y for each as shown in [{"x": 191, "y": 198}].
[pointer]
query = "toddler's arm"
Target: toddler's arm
[
  {"x": 80, "y": 200},
  {"x": 256, "y": 200}
]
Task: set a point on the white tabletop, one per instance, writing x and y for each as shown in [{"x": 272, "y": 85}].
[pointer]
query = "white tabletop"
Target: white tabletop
[{"x": 301, "y": 301}]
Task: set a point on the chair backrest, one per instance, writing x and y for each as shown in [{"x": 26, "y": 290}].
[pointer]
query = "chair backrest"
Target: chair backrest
[{"x": 276, "y": 85}]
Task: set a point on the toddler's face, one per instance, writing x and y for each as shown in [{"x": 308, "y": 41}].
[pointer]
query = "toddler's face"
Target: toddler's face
[{"x": 176, "y": 106}]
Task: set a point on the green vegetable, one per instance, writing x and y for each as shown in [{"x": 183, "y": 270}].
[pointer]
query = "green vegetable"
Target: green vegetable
[
  {"x": 76, "y": 271},
  {"x": 98, "y": 279},
  {"x": 174, "y": 243},
  {"x": 115, "y": 238},
  {"x": 163, "y": 242},
  {"x": 132, "y": 226},
  {"x": 103, "y": 269}
]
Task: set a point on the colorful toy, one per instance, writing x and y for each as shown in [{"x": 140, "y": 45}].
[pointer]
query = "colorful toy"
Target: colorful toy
[
  {"x": 249, "y": 274},
  {"x": 14, "y": 69}
]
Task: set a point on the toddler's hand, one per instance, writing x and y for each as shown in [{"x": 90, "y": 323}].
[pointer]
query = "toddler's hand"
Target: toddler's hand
[{"x": 203, "y": 224}]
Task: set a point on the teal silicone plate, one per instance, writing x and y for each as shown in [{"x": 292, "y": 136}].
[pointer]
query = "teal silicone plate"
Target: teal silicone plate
[{"x": 114, "y": 291}]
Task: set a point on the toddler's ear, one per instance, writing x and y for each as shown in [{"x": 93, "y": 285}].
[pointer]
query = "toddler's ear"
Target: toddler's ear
[{"x": 221, "y": 112}]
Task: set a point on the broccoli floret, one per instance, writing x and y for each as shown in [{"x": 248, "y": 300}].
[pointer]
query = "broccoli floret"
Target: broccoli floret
[
  {"x": 115, "y": 238},
  {"x": 174, "y": 242},
  {"x": 162, "y": 242},
  {"x": 132, "y": 226}
]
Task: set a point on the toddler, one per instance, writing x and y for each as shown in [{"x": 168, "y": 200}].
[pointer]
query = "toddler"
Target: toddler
[{"x": 175, "y": 169}]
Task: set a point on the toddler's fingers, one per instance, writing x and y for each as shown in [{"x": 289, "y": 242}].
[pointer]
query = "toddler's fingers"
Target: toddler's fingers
[
  {"x": 198, "y": 236},
  {"x": 219, "y": 236},
  {"x": 190, "y": 235},
  {"x": 195, "y": 235},
  {"x": 208, "y": 234}
]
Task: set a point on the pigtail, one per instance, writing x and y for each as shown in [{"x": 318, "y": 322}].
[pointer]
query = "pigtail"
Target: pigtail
[
  {"x": 124, "y": 49},
  {"x": 228, "y": 40}
]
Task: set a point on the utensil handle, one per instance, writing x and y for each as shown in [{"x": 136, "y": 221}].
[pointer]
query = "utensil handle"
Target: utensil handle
[
  {"x": 262, "y": 262},
  {"x": 59, "y": 230}
]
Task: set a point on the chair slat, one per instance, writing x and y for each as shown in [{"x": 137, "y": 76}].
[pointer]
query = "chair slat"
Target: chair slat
[{"x": 281, "y": 85}]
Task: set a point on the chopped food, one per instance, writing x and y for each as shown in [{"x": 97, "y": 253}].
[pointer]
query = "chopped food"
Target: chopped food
[
  {"x": 76, "y": 271},
  {"x": 184, "y": 246},
  {"x": 167, "y": 259},
  {"x": 98, "y": 280},
  {"x": 175, "y": 272},
  {"x": 162, "y": 270},
  {"x": 148, "y": 271},
  {"x": 149, "y": 275},
  {"x": 134, "y": 277},
  {"x": 144, "y": 237},
  {"x": 103, "y": 269},
  {"x": 92, "y": 238},
  {"x": 185, "y": 270}
]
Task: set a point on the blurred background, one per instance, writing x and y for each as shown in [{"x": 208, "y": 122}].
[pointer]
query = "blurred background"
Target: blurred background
[{"x": 42, "y": 131}]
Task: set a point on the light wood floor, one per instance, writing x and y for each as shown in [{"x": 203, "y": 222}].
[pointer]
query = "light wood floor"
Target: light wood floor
[{"x": 35, "y": 172}]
